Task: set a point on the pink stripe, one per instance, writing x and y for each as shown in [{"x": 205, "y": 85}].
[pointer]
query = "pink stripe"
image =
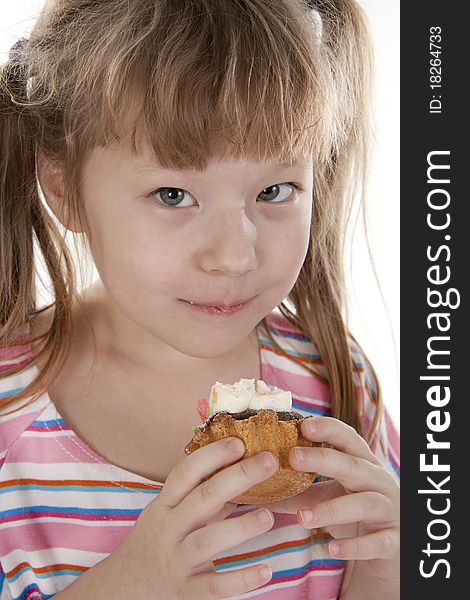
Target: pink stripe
[
  {"x": 49, "y": 449},
  {"x": 33, "y": 594},
  {"x": 393, "y": 460},
  {"x": 14, "y": 427},
  {"x": 306, "y": 385},
  {"x": 45, "y": 429},
  {"x": 300, "y": 336},
  {"x": 14, "y": 351},
  {"x": 284, "y": 520},
  {"x": 393, "y": 438},
  {"x": 280, "y": 519},
  {"x": 280, "y": 322},
  {"x": 23, "y": 337},
  {"x": 366, "y": 423},
  {"x": 364, "y": 397},
  {"x": 360, "y": 398},
  {"x": 30, "y": 537},
  {"x": 66, "y": 515},
  {"x": 20, "y": 363}
]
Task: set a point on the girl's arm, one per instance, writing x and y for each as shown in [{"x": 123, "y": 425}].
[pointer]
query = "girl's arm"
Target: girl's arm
[{"x": 104, "y": 580}]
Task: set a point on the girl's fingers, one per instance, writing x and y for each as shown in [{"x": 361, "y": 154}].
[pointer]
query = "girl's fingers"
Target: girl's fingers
[
  {"x": 226, "y": 510},
  {"x": 208, "y": 498},
  {"x": 356, "y": 474},
  {"x": 213, "y": 586},
  {"x": 340, "y": 435},
  {"x": 313, "y": 495},
  {"x": 380, "y": 544},
  {"x": 205, "y": 543},
  {"x": 370, "y": 507},
  {"x": 197, "y": 466}
]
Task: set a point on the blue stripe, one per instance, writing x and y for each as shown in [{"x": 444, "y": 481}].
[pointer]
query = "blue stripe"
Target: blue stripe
[
  {"x": 312, "y": 411},
  {"x": 77, "y": 488},
  {"x": 71, "y": 509},
  {"x": 49, "y": 423},
  {"x": 253, "y": 559},
  {"x": 395, "y": 467},
  {"x": 11, "y": 392},
  {"x": 303, "y": 338},
  {"x": 47, "y": 574},
  {"x": 313, "y": 563},
  {"x": 357, "y": 364},
  {"x": 370, "y": 385},
  {"x": 287, "y": 572},
  {"x": 276, "y": 575},
  {"x": 293, "y": 336},
  {"x": 291, "y": 352}
]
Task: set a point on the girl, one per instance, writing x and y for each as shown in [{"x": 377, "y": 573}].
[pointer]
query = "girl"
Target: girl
[{"x": 207, "y": 154}]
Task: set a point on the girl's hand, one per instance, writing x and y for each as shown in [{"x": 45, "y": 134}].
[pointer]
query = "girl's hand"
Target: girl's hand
[
  {"x": 169, "y": 550},
  {"x": 359, "y": 507}
]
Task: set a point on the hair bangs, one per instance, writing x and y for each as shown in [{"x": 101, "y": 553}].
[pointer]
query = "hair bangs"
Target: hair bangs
[{"x": 235, "y": 84}]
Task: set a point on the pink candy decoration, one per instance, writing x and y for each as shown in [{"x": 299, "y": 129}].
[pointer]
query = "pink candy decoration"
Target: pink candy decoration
[{"x": 202, "y": 408}]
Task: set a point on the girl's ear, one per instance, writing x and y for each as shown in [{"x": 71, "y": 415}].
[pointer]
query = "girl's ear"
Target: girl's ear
[{"x": 51, "y": 180}]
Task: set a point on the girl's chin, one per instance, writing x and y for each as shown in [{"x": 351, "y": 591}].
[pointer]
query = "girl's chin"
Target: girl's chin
[
  {"x": 214, "y": 350},
  {"x": 211, "y": 343}
]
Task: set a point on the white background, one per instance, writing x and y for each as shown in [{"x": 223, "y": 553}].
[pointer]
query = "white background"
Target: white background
[{"x": 374, "y": 311}]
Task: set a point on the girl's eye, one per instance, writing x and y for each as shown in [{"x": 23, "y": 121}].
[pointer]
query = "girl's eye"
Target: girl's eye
[
  {"x": 274, "y": 193},
  {"x": 172, "y": 196},
  {"x": 180, "y": 198}
]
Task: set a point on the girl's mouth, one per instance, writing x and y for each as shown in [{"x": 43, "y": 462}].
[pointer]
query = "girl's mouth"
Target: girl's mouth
[{"x": 217, "y": 310}]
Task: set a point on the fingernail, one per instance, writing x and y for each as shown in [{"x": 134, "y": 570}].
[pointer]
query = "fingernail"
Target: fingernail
[
  {"x": 264, "y": 517},
  {"x": 266, "y": 459},
  {"x": 306, "y": 515},
  {"x": 235, "y": 445},
  {"x": 311, "y": 425},
  {"x": 265, "y": 573},
  {"x": 300, "y": 454},
  {"x": 334, "y": 549}
]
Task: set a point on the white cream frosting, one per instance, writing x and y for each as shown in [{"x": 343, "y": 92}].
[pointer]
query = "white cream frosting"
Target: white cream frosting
[{"x": 246, "y": 394}]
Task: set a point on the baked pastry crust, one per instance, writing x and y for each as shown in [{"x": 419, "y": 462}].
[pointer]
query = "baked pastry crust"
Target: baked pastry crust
[{"x": 261, "y": 432}]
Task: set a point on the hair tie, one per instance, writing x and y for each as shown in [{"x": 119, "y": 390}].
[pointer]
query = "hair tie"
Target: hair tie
[{"x": 16, "y": 51}]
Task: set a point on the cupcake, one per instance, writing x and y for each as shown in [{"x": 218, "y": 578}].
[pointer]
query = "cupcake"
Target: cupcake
[{"x": 262, "y": 417}]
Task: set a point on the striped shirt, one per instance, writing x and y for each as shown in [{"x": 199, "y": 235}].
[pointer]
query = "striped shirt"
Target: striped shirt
[{"x": 64, "y": 508}]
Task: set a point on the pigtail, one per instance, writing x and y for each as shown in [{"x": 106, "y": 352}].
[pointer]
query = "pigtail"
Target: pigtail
[
  {"x": 17, "y": 179},
  {"x": 24, "y": 223}
]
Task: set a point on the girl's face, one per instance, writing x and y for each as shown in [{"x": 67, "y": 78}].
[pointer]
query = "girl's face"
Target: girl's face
[{"x": 161, "y": 239}]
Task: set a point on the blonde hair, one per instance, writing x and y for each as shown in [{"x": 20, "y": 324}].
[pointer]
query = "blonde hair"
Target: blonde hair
[{"x": 228, "y": 78}]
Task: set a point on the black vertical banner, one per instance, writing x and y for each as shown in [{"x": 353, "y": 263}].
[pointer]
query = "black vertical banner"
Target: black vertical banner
[{"x": 435, "y": 267}]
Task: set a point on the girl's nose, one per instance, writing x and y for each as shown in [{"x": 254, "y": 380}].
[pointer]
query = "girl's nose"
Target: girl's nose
[{"x": 230, "y": 244}]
